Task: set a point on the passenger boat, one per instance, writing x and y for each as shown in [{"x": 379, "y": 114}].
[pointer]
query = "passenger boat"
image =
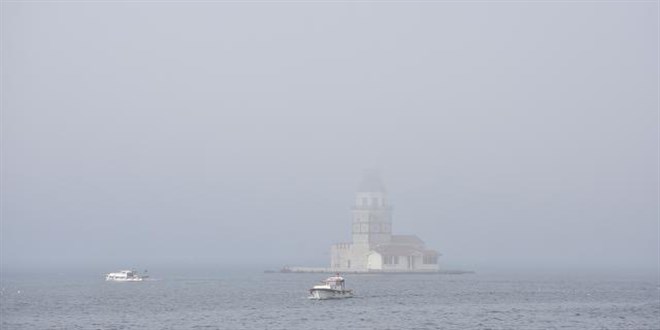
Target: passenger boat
[
  {"x": 124, "y": 276},
  {"x": 331, "y": 288}
]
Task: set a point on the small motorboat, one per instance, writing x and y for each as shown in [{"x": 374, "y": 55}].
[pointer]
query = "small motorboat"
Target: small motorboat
[
  {"x": 125, "y": 276},
  {"x": 332, "y": 288}
]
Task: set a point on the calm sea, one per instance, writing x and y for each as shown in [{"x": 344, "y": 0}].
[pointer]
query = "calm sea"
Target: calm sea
[{"x": 255, "y": 300}]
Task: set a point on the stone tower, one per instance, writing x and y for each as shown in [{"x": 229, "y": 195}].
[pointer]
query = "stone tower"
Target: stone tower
[
  {"x": 372, "y": 218},
  {"x": 373, "y": 248}
]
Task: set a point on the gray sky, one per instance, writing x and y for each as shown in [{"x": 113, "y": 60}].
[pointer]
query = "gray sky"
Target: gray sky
[{"x": 508, "y": 134}]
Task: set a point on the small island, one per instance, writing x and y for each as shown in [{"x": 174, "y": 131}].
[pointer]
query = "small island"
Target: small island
[{"x": 373, "y": 248}]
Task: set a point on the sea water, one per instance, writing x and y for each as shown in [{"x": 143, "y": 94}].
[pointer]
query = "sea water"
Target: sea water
[{"x": 256, "y": 300}]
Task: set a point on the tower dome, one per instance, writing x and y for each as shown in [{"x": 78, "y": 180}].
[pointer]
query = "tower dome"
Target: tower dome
[{"x": 371, "y": 182}]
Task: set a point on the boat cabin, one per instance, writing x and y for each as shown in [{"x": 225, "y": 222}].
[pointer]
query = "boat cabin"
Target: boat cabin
[
  {"x": 122, "y": 275},
  {"x": 335, "y": 282}
]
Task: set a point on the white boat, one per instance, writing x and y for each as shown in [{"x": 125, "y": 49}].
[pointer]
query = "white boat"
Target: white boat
[
  {"x": 331, "y": 288},
  {"x": 124, "y": 276}
]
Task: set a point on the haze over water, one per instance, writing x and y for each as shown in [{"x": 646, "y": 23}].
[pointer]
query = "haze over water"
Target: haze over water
[{"x": 507, "y": 134}]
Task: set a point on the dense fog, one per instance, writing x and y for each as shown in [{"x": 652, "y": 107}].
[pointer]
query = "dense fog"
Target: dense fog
[{"x": 509, "y": 135}]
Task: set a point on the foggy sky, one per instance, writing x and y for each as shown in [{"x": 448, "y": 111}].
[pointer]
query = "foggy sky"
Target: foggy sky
[{"x": 508, "y": 134}]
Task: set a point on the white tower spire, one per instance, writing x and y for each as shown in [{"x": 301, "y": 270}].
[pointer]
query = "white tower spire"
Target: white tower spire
[{"x": 372, "y": 213}]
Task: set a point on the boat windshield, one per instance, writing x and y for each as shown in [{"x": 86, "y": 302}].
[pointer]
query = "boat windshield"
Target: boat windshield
[{"x": 335, "y": 282}]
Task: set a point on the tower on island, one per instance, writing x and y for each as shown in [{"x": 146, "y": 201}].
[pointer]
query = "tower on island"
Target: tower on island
[{"x": 373, "y": 247}]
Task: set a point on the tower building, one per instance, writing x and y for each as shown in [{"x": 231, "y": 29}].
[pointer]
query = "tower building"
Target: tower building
[{"x": 373, "y": 247}]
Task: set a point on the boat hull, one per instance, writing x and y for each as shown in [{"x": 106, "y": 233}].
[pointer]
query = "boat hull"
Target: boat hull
[
  {"x": 124, "y": 279},
  {"x": 322, "y": 294}
]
